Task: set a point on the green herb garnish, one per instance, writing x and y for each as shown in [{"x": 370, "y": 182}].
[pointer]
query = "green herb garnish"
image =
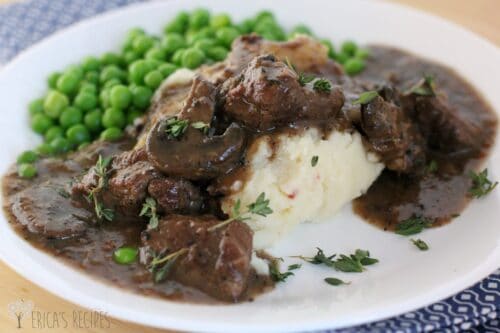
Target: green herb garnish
[
  {"x": 424, "y": 87},
  {"x": 175, "y": 127},
  {"x": 314, "y": 160},
  {"x": 422, "y": 246},
  {"x": 481, "y": 185},
  {"x": 366, "y": 97},
  {"x": 161, "y": 266},
  {"x": 322, "y": 85},
  {"x": 274, "y": 270},
  {"x": 259, "y": 207},
  {"x": 149, "y": 210},
  {"x": 199, "y": 125},
  {"x": 413, "y": 225},
  {"x": 305, "y": 79},
  {"x": 335, "y": 282},
  {"x": 294, "y": 267},
  {"x": 432, "y": 167},
  {"x": 352, "y": 263},
  {"x": 101, "y": 172}
]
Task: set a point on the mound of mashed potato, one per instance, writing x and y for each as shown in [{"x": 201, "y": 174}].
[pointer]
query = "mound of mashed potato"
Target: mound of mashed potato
[{"x": 298, "y": 191}]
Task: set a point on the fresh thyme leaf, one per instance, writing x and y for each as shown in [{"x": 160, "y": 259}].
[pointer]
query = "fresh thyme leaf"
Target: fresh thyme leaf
[
  {"x": 424, "y": 87},
  {"x": 363, "y": 257},
  {"x": 274, "y": 272},
  {"x": 366, "y": 97},
  {"x": 290, "y": 65},
  {"x": 199, "y": 125},
  {"x": 161, "y": 273},
  {"x": 334, "y": 281},
  {"x": 294, "y": 267},
  {"x": 176, "y": 127},
  {"x": 149, "y": 210},
  {"x": 320, "y": 258},
  {"x": 314, "y": 160},
  {"x": 432, "y": 167},
  {"x": 322, "y": 85},
  {"x": 455, "y": 215},
  {"x": 305, "y": 79},
  {"x": 422, "y": 246},
  {"x": 259, "y": 207},
  {"x": 481, "y": 185},
  {"x": 413, "y": 225},
  {"x": 348, "y": 264},
  {"x": 161, "y": 266},
  {"x": 101, "y": 172}
]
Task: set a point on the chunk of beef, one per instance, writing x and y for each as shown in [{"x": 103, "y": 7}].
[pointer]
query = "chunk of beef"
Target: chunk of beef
[
  {"x": 391, "y": 134},
  {"x": 443, "y": 128},
  {"x": 268, "y": 94},
  {"x": 45, "y": 209},
  {"x": 216, "y": 262},
  {"x": 174, "y": 195},
  {"x": 200, "y": 103}
]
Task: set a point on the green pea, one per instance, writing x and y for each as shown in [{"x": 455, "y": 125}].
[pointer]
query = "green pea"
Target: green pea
[
  {"x": 348, "y": 47},
  {"x": 166, "y": 69},
  {"x": 53, "y": 132},
  {"x": 156, "y": 53},
  {"x": 83, "y": 145},
  {"x": 110, "y": 58},
  {"x": 132, "y": 116},
  {"x": 60, "y": 145},
  {"x": 192, "y": 58},
  {"x": 217, "y": 53},
  {"x": 125, "y": 255},
  {"x": 264, "y": 14},
  {"x": 40, "y": 123},
  {"x": 268, "y": 29},
  {"x": 153, "y": 79},
  {"x": 220, "y": 20},
  {"x": 120, "y": 96},
  {"x": 93, "y": 120},
  {"x": 78, "y": 134},
  {"x": 111, "y": 72},
  {"x": 300, "y": 29},
  {"x": 226, "y": 35},
  {"x": 204, "y": 44},
  {"x": 26, "y": 170},
  {"x": 131, "y": 35},
  {"x": 91, "y": 64},
  {"x": 54, "y": 103},
  {"x": 44, "y": 149},
  {"x": 70, "y": 116},
  {"x": 131, "y": 56},
  {"x": 104, "y": 98},
  {"x": 199, "y": 18},
  {"x": 247, "y": 26},
  {"x": 177, "y": 56},
  {"x": 342, "y": 57},
  {"x": 354, "y": 66},
  {"x": 75, "y": 70},
  {"x": 172, "y": 42},
  {"x": 137, "y": 70},
  {"x": 141, "y": 96},
  {"x": 88, "y": 88},
  {"x": 68, "y": 83},
  {"x": 179, "y": 24},
  {"x": 85, "y": 101},
  {"x": 329, "y": 46},
  {"x": 204, "y": 33},
  {"x": 92, "y": 77},
  {"x": 36, "y": 106},
  {"x": 152, "y": 64},
  {"x": 111, "y": 134},
  {"x": 113, "y": 117},
  {"x": 362, "y": 53},
  {"x": 111, "y": 83},
  {"x": 28, "y": 156},
  {"x": 142, "y": 43},
  {"x": 52, "y": 80}
]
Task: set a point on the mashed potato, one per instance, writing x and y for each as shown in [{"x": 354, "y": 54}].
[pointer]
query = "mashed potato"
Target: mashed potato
[{"x": 299, "y": 192}]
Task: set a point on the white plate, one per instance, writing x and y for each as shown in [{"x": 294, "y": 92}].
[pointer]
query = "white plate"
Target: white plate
[{"x": 405, "y": 279}]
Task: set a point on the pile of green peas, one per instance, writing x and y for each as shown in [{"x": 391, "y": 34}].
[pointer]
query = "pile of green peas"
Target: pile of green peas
[{"x": 99, "y": 97}]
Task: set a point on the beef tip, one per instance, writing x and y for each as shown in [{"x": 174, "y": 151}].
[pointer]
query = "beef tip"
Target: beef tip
[
  {"x": 392, "y": 135},
  {"x": 174, "y": 195},
  {"x": 200, "y": 103},
  {"x": 268, "y": 94},
  {"x": 45, "y": 209},
  {"x": 217, "y": 262},
  {"x": 443, "y": 128}
]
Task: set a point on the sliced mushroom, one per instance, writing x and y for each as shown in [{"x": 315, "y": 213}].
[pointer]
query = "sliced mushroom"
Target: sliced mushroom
[{"x": 195, "y": 155}]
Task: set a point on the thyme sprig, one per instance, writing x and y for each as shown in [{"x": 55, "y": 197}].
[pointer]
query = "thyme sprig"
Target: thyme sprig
[
  {"x": 101, "y": 171},
  {"x": 160, "y": 266},
  {"x": 425, "y": 87},
  {"x": 481, "y": 185},
  {"x": 413, "y": 225},
  {"x": 149, "y": 209},
  {"x": 420, "y": 244},
  {"x": 176, "y": 127},
  {"x": 344, "y": 263}
]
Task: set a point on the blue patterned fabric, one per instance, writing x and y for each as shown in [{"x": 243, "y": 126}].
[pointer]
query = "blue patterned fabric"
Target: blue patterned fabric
[{"x": 475, "y": 309}]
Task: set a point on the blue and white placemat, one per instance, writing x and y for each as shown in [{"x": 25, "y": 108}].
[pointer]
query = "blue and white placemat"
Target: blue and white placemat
[{"x": 475, "y": 309}]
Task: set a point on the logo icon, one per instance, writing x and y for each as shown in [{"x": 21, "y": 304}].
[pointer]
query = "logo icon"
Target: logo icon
[{"x": 19, "y": 309}]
